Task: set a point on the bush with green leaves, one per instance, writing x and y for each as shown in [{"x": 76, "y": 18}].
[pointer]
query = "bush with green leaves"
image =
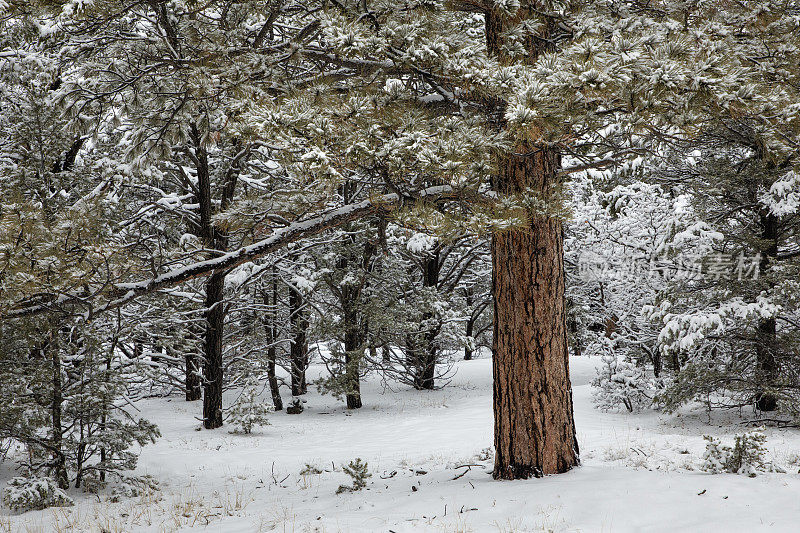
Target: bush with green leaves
[
  {"x": 66, "y": 391},
  {"x": 34, "y": 493}
]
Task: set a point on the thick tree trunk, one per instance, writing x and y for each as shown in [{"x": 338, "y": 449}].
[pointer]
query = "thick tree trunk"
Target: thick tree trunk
[
  {"x": 534, "y": 427},
  {"x": 353, "y": 325},
  {"x": 766, "y": 334},
  {"x": 212, "y": 365},
  {"x": 534, "y": 430},
  {"x": 298, "y": 348}
]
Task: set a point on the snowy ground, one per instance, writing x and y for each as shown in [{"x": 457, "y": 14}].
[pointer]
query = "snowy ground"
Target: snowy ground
[{"x": 638, "y": 474}]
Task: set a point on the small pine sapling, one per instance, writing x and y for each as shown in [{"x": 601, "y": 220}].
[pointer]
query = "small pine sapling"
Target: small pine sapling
[
  {"x": 309, "y": 470},
  {"x": 747, "y": 456},
  {"x": 358, "y": 472},
  {"x": 620, "y": 382},
  {"x": 249, "y": 410},
  {"x": 716, "y": 457}
]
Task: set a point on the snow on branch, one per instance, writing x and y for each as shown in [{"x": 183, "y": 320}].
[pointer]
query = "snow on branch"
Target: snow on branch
[{"x": 123, "y": 293}]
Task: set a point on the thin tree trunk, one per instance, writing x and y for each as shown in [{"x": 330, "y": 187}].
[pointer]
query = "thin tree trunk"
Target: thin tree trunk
[
  {"x": 534, "y": 430},
  {"x": 298, "y": 348},
  {"x": 468, "y": 347},
  {"x": 470, "y": 325},
  {"x": 352, "y": 359},
  {"x": 193, "y": 382},
  {"x": 193, "y": 379},
  {"x": 271, "y": 326},
  {"x": 212, "y": 367},
  {"x": 274, "y": 389},
  {"x": 59, "y": 459},
  {"x": 104, "y": 419},
  {"x": 766, "y": 335}
]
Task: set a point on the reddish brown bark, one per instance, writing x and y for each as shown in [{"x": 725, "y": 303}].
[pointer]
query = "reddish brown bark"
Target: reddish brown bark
[
  {"x": 534, "y": 430},
  {"x": 534, "y": 427}
]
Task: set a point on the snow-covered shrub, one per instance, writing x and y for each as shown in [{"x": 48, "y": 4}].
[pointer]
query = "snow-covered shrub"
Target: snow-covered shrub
[
  {"x": 600, "y": 346},
  {"x": 33, "y": 493},
  {"x": 358, "y": 472},
  {"x": 716, "y": 456},
  {"x": 249, "y": 410},
  {"x": 133, "y": 487},
  {"x": 747, "y": 456},
  {"x": 620, "y": 382}
]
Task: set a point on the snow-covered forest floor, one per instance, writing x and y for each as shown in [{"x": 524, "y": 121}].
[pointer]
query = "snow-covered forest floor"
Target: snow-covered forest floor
[{"x": 639, "y": 472}]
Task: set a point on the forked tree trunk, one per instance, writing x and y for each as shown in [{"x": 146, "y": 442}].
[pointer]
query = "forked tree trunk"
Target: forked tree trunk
[
  {"x": 534, "y": 430},
  {"x": 212, "y": 367}
]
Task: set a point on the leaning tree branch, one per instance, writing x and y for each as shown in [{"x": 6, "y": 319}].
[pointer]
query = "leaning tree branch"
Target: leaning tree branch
[{"x": 123, "y": 293}]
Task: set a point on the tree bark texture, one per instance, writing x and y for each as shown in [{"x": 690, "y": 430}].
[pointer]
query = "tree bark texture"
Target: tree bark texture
[
  {"x": 428, "y": 353},
  {"x": 534, "y": 429},
  {"x": 212, "y": 367},
  {"x": 534, "y": 426}
]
